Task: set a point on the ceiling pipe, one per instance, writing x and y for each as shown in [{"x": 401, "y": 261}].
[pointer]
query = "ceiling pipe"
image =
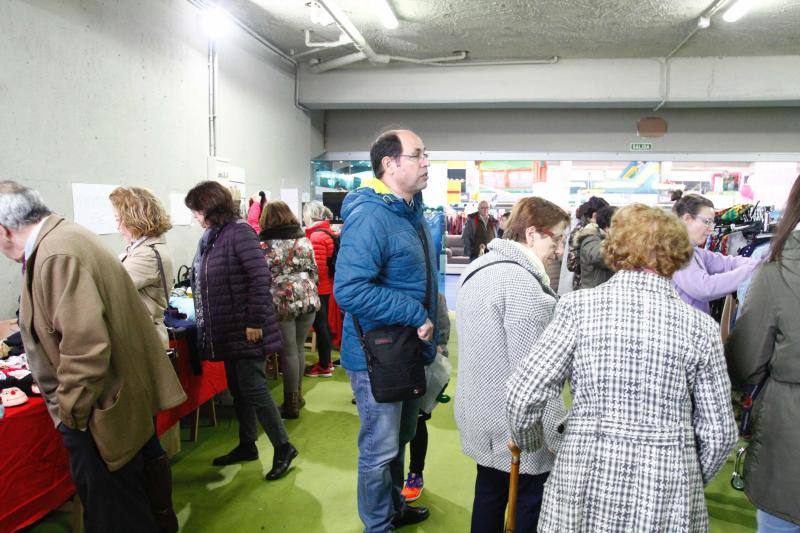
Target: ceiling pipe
[
  {"x": 349, "y": 29},
  {"x": 490, "y": 63},
  {"x": 343, "y": 40},
  {"x": 701, "y": 22},
  {"x": 307, "y": 53},
  {"x": 204, "y": 4},
  {"x": 349, "y": 59}
]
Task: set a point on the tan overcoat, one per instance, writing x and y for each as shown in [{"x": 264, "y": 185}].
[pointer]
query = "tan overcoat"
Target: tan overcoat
[
  {"x": 142, "y": 265},
  {"x": 91, "y": 342}
]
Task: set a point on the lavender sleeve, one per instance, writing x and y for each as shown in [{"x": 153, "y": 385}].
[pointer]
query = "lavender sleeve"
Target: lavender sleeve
[{"x": 710, "y": 275}]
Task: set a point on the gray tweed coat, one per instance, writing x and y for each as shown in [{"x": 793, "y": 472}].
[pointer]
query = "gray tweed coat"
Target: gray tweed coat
[
  {"x": 651, "y": 419},
  {"x": 501, "y": 312}
]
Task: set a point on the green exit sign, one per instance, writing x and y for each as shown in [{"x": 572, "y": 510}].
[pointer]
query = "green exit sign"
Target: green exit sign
[{"x": 641, "y": 147}]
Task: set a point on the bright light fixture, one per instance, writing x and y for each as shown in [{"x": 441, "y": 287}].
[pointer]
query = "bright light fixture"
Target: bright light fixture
[
  {"x": 737, "y": 10},
  {"x": 215, "y": 22},
  {"x": 385, "y": 14},
  {"x": 319, "y": 15},
  {"x": 703, "y": 22}
]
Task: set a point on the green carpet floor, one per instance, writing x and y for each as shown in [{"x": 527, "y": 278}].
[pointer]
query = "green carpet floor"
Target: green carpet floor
[{"x": 319, "y": 493}]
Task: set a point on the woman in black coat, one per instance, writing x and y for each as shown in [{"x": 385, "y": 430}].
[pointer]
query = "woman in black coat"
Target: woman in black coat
[{"x": 236, "y": 321}]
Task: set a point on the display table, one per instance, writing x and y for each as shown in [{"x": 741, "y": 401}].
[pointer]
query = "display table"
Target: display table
[
  {"x": 34, "y": 466},
  {"x": 199, "y": 388}
]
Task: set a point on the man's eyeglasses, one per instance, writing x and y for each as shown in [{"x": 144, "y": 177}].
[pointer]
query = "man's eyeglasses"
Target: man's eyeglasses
[
  {"x": 423, "y": 155},
  {"x": 709, "y": 222}
]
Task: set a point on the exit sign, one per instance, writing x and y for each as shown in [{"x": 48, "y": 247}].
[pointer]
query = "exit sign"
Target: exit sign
[{"x": 641, "y": 147}]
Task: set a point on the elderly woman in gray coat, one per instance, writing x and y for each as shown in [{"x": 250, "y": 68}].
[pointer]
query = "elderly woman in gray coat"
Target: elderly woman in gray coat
[
  {"x": 651, "y": 419},
  {"x": 764, "y": 349},
  {"x": 504, "y": 304}
]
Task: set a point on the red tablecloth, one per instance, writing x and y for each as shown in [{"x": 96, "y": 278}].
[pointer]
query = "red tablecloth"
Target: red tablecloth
[
  {"x": 199, "y": 389},
  {"x": 34, "y": 466}
]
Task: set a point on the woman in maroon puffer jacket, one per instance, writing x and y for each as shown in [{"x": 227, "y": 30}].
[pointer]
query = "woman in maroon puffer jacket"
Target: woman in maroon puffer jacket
[
  {"x": 236, "y": 320},
  {"x": 317, "y": 218}
]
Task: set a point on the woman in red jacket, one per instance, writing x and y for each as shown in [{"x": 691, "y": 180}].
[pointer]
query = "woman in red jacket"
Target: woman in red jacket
[{"x": 316, "y": 218}]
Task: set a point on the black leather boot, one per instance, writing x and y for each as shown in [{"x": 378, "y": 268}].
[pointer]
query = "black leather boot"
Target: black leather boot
[
  {"x": 290, "y": 410},
  {"x": 158, "y": 484},
  {"x": 243, "y": 452},
  {"x": 281, "y": 461}
]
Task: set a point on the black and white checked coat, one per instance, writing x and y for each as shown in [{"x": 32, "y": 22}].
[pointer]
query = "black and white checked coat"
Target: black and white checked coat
[
  {"x": 651, "y": 419},
  {"x": 501, "y": 312}
]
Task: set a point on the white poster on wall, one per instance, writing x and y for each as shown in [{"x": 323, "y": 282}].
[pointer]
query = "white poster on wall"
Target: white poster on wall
[
  {"x": 292, "y": 199},
  {"x": 92, "y": 208},
  {"x": 179, "y": 214}
]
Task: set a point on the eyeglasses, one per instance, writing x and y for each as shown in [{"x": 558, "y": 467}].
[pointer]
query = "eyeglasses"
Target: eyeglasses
[
  {"x": 556, "y": 238},
  {"x": 709, "y": 222},
  {"x": 423, "y": 155}
]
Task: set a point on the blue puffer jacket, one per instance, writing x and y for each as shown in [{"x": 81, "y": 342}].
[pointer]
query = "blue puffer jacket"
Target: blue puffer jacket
[{"x": 380, "y": 268}]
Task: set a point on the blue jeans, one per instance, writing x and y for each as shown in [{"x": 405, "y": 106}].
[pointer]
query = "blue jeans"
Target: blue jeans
[
  {"x": 768, "y": 523},
  {"x": 386, "y": 428}
]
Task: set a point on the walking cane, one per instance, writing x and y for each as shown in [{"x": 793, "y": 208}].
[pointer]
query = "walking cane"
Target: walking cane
[{"x": 511, "y": 518}]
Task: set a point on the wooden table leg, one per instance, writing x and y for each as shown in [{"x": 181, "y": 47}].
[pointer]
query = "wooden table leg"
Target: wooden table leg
[
  {"x": 212, "y": 416},
  {"x": 194, "y": 425}
]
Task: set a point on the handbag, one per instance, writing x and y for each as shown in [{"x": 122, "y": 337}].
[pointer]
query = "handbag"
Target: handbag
[
  {"x": 437, "y": 375},
  {"x": 394, "y": 353},
  {"x": 170, "y": 311}
]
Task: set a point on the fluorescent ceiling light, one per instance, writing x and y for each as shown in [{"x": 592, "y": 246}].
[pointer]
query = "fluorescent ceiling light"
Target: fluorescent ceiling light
[
  {"x": 385, "y": 14},
  {"x": 215, "y": 21},
  {"x": 737, "y": 10},
  {"x": 703, "y": 22}
]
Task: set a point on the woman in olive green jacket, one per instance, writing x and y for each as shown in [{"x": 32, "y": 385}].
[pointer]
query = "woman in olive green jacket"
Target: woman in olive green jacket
[{"x": 765, "y": 347}]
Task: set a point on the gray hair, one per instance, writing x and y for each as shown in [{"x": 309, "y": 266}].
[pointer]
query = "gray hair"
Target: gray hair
[
  {"x": 20, "y": 206},
  {"x": 315, "y": 211}
]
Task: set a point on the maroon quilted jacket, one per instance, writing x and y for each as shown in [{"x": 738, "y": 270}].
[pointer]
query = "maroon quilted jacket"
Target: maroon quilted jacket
[{"x": 235, "y": 295}]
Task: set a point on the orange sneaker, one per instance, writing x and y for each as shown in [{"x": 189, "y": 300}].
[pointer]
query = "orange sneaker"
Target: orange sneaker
[{"x": 413, "y": 489}]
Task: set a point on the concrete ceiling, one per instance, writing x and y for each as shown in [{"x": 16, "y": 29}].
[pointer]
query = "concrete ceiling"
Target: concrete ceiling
[{"x": 528, "y": 29}]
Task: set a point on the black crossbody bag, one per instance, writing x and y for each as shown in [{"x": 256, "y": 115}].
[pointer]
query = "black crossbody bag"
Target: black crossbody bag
[{"x": 394, "y": 353}]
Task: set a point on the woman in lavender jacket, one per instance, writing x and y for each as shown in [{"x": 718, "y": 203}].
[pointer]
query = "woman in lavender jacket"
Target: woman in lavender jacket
[{"x": 709, "y": 275}]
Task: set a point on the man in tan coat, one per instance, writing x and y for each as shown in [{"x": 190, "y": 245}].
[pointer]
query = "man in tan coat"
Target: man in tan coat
[{"x": 95, "y": 354}]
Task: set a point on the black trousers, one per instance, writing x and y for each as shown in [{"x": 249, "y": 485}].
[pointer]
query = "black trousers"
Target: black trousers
[
  {"x": 491, "y": 497},
  {"x": 112, "y": 501},
  {"x": 323, "y": 331},
  {"x": 247, "y": 382},
  {"x": 419, "y": 445}
]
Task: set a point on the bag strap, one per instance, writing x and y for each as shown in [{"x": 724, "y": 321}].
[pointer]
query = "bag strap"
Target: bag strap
[
  {"x": 161, "y": 272},
  {"x": 423, "y": 237},
  {"x": 170, "y": 332},
  {"x": 545, "y": 288}
]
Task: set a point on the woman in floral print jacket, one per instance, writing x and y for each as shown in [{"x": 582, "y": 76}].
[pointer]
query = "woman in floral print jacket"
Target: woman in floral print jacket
[{"x": 290, "y": 258}]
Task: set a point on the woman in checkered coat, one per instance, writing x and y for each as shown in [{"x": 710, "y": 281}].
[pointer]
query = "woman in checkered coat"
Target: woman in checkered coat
[
  {"x": 651, "y": 420},
  {"x": 504, "y": 304}
]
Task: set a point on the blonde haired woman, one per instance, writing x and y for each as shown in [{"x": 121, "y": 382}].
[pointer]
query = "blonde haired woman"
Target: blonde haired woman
[
  {"x": 143, "y": 221},
  {"x": 651, "y": 420}
]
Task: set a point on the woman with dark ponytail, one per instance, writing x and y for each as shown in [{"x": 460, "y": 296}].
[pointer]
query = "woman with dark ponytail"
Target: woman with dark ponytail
[
  {"x": 764, "y": 350},
  {"x": 256, "y": 206}
]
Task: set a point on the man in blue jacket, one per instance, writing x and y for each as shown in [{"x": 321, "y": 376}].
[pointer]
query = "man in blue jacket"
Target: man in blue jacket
[{"x": 381, "y": 277}]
